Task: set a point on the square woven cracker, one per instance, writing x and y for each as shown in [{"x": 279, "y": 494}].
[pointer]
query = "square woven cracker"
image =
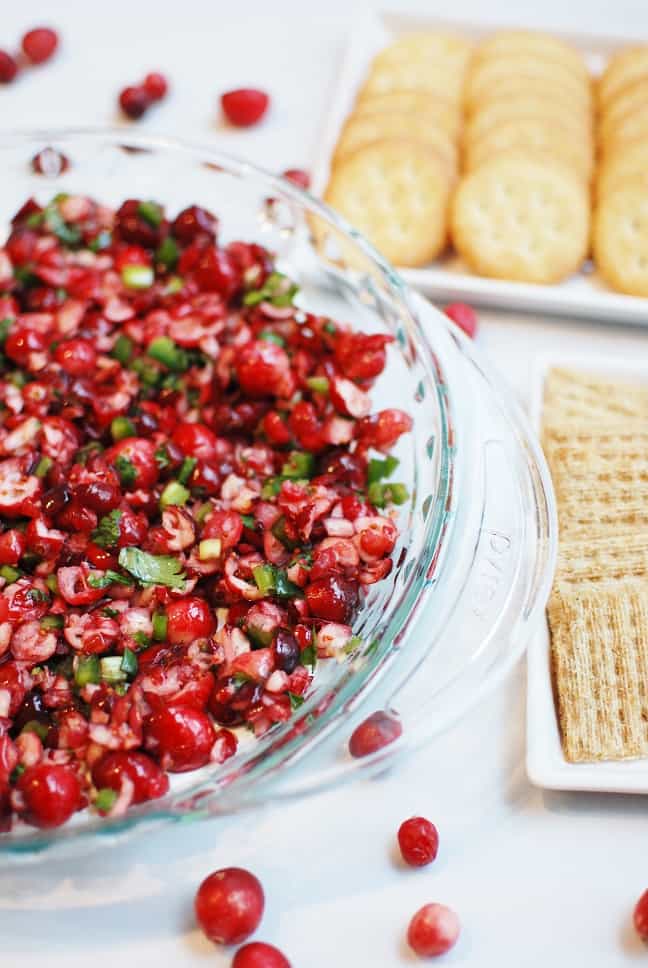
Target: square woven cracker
[
  {"x": 611, "y": 556},
  {"x": 573, "y": 394},
  {"x": 599, "y": 656}
]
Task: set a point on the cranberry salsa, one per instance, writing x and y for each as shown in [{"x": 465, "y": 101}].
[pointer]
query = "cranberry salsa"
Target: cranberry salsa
[{"x": 193, "y": 500}]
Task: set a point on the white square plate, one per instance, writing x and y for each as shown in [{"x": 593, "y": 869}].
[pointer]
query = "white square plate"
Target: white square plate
[
  {"x": 583, "y": 295},
  {"x": 546, "y": 765}
]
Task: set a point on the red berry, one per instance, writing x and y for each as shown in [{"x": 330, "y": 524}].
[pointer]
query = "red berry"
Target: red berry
[
  {"x": 189, "y": 619},
  {"x": 156, "y": 86},
  {"x": 134, "y": 101},
  {"x": 257, "y": 954},
  {"x": 149, "y": 782},
  {"x": 464, "y": 316},
  {"x": 418, "y": 841},
  {"x": 245, "y": 106},
  {"x": 433, "y": 930},
  {"x": 76, "y": 356},
  {"x": 332, "y": 598},
  {"x": 194, "y": 222},
  {"x": 297, "y": 176},
  {"x": 50, "y": 162},
  {"x": 229, "y": 905},
  {"x": 50, "y": 793},
  {"x": 378, "y": 730},
  {"x": 8, "y": 67},
  {"x": 39, "y": 44},
  {"x": 640, "y": 917},
  {"x": 180, "y": 737}
]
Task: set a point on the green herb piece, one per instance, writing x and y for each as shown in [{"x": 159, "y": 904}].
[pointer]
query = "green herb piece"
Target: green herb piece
[
  {"x": 300, "y": 464},
  {"x": 105, "y": 800},
  {"x": 35, "y": 220},
  {"x": 318, "y": 384},
  {"x": 174, "y": 494},
  {"x": 105, "y": 578},
  {"x": 149, "y": 375},
  {"x": 122, "y": 350},
  {"x": 151, "y": 212},
  {"x": 330, "y": 328},
  {"x": 381, "y": 495},
  {"x": 160, "y": 625},
  {"x": 278, "y": 289},
  {"x": 126, "y": 470},
  {"x": 295, "y": 700},
  {"x": 106, "y": 534},
  {"x": 165, "y": 351},
  {"x": 5, "y": 326},
  {"x": 240, "y": 678},
  {"x": 52, "y": 622},
  {"x": 43, "y": 467},
  {"x": 129, "y": 663},
  {"x": 261, "y": 637},
  {"x": 265, "y": 578},
  {"x": 17, "y": 772},
  {"x": 25, "y": 276},
  {"x": 87, "y": 670},
  {"x": 68, "y": 235},
  {"x": 209, "y": 549},
  {"x": 52, "y": 584},
  {"x": 167, "y": 253},
  {"x": 101, "y": 241},
  {"x": 378, "y": 469},
  {"x": 110, "y": 612},
  {"x": 249, "y": 521},
  {"x": 187, "y": 469},
  {"x": 271, "y": 488},
  {"x": 121, "y": 427},
  {"x": 269, "y": 337},
  {"x": 153, "y": 569},
  {"x": 37, "y": 596},
  {"x": 284, "y": 588},
  {"x": 203, "y": 513},
  {"x": 162, "y": 458},
  {"x": 137, "y": 277},
  {"x": 309, "y": 656},
  {"x": 9, "y": 573}
]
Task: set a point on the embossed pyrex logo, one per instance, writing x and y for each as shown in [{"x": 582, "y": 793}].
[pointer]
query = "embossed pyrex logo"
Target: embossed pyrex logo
[{"x": 491, "y": 563}]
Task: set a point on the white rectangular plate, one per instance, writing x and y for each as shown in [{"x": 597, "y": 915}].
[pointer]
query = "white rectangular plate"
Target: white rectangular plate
[
  {"x": 447, "y": 279},
  {"x": 546, "y": 765}
]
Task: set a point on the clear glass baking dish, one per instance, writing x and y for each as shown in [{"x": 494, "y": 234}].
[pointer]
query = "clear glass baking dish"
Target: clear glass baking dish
[{"x": 476, "y": 551}]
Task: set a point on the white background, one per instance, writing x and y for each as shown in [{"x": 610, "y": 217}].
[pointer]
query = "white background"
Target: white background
[{"x": 538, "y": 879}]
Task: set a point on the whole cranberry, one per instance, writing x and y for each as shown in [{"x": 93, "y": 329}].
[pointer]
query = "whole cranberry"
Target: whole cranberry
[
  {"x": 76, "y": 356},
  {"x": 40, "y": 44},
  {"x": 418, "y": 840},
  {"x": 131, "y": 227},
  {"x": 229, "y": 905},
  {"x": 189, "y": 619},
  {"x": 156, "y": 85},
  {"x": 194, "y": 222},
  {"x": 180, "y": 737},
  {"x": 378, "y": 730},
  {"x": 8, "y": 67},
  {"x": 464, "y": 316},
  {"x": 148, "y": 780},
  {"x": 640, "y": 916},
  {"x": 297, "y": 176},
  {"x": 50, "y": 793},
  {"x": 433, "y": 930},
  {"x": 134, "y": 102},
  {"x": 332, "y": 598},
  {"x": 215, "y": 272},
  {"x": 245, "y": 106},
  {"x": 257, "y": 954},
  {"x": 99, "y": 496}
]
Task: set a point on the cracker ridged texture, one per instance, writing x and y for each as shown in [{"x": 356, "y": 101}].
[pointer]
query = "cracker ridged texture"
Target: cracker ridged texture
[
  {"x": 623, "y": 70},
  {"x": 362, "y": 130},
  {"x": 413, "y": 75},
  {"x": 599, "y": 655},
  {"x": 603, "y": 557},
  {"x": 620, "y": 237}
]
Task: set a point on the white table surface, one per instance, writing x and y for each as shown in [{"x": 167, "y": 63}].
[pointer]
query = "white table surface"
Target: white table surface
[{"x": 537, "y": 878}]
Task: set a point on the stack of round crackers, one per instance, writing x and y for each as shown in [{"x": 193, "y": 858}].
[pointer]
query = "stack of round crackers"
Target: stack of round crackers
[
  {"x": 621, "y": 217},
  {"x": 396, "y": 161},
  {"x": 522, "y": 210}
]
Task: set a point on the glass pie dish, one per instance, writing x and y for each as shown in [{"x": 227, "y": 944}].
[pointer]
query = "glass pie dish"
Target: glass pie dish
[{"x": 475, "y": 556}]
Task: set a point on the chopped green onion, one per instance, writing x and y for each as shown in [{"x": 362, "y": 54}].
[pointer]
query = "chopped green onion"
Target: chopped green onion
[
  {"x": 300, "y": 464},
  {"x": 382, "y": 494},
  {"x": 105, "y": 800},
  {"x": 309, "y": 656},
  {"x": 123, "y": 349},
  {"x": 167, "y": 253},
  {"x": 137, "y": 277},
  {"x": 269, "y": 337},
  {"x": 165, "y": 351},
  {"x": 203, "y": 512},
  {"x": 52, "y": 622},
  {"x": 174, "y": 494},
  {"x": 52, "y": 583},
  {"x": 265, "y": 578},
  {"x": 284, "y": 588},
  {"x": 330, "y": 328},
  {"x": 101, "y": 241},
  {"x": 278, "y": 289},
  {"x": 122, "y": 427},
  {"x": 33, "y": 726},
  {"x": 162, "y": 458},
  {"x": 111, "y": 669},
  {"x": 160, "y": 624},
  {"x": 87, "y": 670},
  {"x": 126, "y": 470},
  {"x": 209, "y": 549},
  {"x": 318, "y": 384},
  {"x": 151, "y": 212},
  {"x": 129, "y": 663},
  {"x": 9, "y": 573},
  {"x": 43, "y": 467},
  {"x": 187, "y": 469},
  {"x": 378, "y": 469}
]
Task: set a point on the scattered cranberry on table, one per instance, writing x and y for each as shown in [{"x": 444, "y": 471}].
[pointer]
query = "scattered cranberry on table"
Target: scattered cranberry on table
[
  {"x": 229, "y": 905},
  {"x": 464, "y": 316},
  {"x": 640, "y": 917},
  {"x": 49, "y": 161},
  {"x": 40, "y": 44},
  {"x": 156, "y": 85},
  {"x": 257, "y": 954},
  {"x": 297, "y": 176},
  {"x": 8, "y": 67},
  {"x": 136, "y": 99},
  {"x": 433, "y": 930},
  {"x": 378, "y": 730},
  {"x": 418, "y": 840},
  {"x": 245, "y": 106}
]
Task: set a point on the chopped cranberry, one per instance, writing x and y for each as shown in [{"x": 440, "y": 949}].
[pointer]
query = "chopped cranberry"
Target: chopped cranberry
[
  {"x": 286, "y": 651},
  {"x": 258, "y": 954},
  {"x": 148, "y": 780},
  {"x": 8, "y": 67},
  {"x": 50, "y": 794},
  {"x": 214, "y": 271},
  {"x": 244, "y": 107},
  {"x": 134, "y": 102},
  {"x": 76, "y": 356},
  {"x": 433, "y": 930},
  {"x": 196, "y": 440},
  {"x": 297, "y": 176},
  {"x": 40, "y": 44},
  {"x": 194, "y": 223},
  {"x": 332, "y": 598},
  {"x": 640, "y": 916},
  {"x": 50, "y": 162},
  {"x": 189, "y": 619},
  {"x": 136, "y": 453},
  {"x": 464, "y": 316},
  {"x": 156, "y": 86},
  {"x": 180, "y": 737},
  {"x": 229, "y": 905},
  {"x": 418, "y": 841},
  {"x": 263, "y": 369},
  {"x": 378, "y": 730},
  {"x": 12, "y": 547}
]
